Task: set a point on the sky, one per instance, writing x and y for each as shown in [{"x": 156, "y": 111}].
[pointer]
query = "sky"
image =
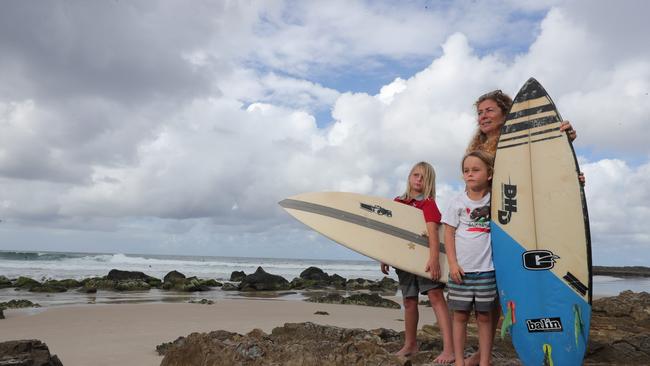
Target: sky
[{"x": 175, "y": 127}]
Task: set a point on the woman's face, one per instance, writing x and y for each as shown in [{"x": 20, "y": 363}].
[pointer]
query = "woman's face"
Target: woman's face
[{"x": 490, "y": 117}]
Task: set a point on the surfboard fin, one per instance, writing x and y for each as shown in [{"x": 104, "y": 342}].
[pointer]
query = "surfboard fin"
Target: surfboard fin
[
  {"x": 509, "y": 319},
  {"x": 548, "y": 359}
]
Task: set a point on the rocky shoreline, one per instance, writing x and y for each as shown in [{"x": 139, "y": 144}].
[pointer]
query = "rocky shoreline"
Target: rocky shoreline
[
  {"x": 620, "y": 335},
  {"x": 313, "y": 283}
]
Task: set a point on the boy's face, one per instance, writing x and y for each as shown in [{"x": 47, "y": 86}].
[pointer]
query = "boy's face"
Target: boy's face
[{"x": 475, "y": 173}]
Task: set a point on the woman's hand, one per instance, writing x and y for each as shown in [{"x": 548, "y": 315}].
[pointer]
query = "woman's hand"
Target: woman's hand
[
  {"x": 433, "y": 267},
  {"x": 565, "y": 126},
  {"x": 384, "y": 268},
  {"x": 456, "y": 273}
]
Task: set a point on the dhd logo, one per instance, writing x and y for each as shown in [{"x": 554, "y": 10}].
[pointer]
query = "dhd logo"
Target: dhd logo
[{"x": 508, "y": 202}]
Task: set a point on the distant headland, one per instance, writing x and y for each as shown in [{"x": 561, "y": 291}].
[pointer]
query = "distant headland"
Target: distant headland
[{"x": 633, "y": 271}]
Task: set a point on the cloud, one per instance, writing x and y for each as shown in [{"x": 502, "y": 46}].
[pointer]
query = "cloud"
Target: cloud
[{"x": 178, "y": 129}]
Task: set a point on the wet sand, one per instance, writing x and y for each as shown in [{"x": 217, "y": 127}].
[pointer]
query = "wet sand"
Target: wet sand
[{"x": 127, "y": 334}]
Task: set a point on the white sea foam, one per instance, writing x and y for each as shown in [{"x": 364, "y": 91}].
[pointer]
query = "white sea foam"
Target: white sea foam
[{"x": 80, "y": 265}]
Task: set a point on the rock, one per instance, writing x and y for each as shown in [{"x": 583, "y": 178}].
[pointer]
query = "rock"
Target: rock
[
  {"x": 315, "y": 274},
  {"x": 174, "y": 277},
  {"x": 25, "y": 283},
  {"x": 132, "y": 285},
  {"x": 620, "y": 330},
  {"x": 175, "y": 280},
  {"x": 304, "y": 344},
  {"x": 18, "y": 304},
  {"x": 237, "y": 276},
  {"x": 355, "y": 299},
  {"x": 88, "y": 290},
  {"x": 162, "y": 348},
  {"x": 229, "y": 287},
  {"x": 372, "y": 300},
  {"x": 27, "y": 353},
  {"x": 263, "y": 281},
  {"x": 48, "y": 286},
  {"x": 358, "y": 284},
  {"x": 202, "y": 301},
  {"x": 5, "y": 282},
  {"x": 303, "y": 284},
  {"x": 117, "y": 275},
  {"x": 212, "y": 283},
  {"x": 2, "y": 315},
  {"x": 321, "y": 313},
  {"x": 337, "y": 281},
  {"x": 387, "y": 284}
]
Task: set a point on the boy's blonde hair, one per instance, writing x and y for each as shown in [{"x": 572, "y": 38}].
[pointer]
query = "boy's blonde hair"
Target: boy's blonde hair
[
  {"x": 429, "y": 179},
  {"x": 485, "y": 157}
]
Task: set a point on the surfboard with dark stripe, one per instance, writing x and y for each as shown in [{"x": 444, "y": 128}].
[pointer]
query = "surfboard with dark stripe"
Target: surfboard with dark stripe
[
  {"x": 382, "y": 229},
  {"x": 540, "y": 233}
]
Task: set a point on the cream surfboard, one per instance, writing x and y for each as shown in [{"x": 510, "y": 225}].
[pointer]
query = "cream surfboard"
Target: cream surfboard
[
  {"x": 540, "y": 234},
  {"x": 382, "y": 229}
]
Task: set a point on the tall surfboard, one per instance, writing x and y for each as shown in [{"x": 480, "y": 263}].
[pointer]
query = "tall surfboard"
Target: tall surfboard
[
  {"x": 540, "y": 234},
  {"x": 382, "y": 229}
]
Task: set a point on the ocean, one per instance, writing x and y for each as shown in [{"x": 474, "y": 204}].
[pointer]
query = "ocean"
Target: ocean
[{"x": 57, "y": 265}]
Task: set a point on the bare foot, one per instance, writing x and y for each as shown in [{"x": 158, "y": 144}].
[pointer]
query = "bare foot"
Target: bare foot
[
  {"x": 473, "y": 360},
  {"x": 445, "y": 358},
  {"x": 407, "y": 351}
]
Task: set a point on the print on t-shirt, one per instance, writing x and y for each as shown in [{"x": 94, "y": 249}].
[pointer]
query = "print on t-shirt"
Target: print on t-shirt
[{"x": 480, "y": 219}]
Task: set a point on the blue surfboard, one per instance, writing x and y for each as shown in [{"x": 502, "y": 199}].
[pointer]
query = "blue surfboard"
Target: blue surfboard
[{"x": 540, "y": 234}]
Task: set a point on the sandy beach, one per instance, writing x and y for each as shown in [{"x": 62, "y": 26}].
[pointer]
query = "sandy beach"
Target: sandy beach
[{"x": 127, "y": 334}]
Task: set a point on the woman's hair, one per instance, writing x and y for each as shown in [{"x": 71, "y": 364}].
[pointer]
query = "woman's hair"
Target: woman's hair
[
  {"x": 485, "y": 157},
  {"x": 429, "y": 181},
  {"x": 480, "y": 140}
]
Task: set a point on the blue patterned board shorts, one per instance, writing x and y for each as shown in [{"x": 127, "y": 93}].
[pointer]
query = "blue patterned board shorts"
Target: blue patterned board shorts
[
  {"x": 412, "y": 285},
  {"x": 478, "y": 291}
]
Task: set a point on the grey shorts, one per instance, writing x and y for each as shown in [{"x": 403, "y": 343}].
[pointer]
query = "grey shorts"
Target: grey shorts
[
  {"x": 478, "y": 291},
  {"x": 412, "y": 285}
]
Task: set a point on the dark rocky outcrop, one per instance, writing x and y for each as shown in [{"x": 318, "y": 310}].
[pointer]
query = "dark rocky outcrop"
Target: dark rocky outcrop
[
  {"x": 177, "y": 281},
  {"x": 27, "y": 353},
  {"x": 293, "y": 344},
  {"x": 229, "y": 287},
  {"x": 355, "y": 299},
  {"x": 202, "y": 302},
  {"x": 2, "y": 315},
  {"x": 5, "y": 282},
  {"x": 118, "y": 276},
  {"x": 18, "y": 304},
  {"x": 174, "y": 277},
  {"x": 314, "y": 274},
  {"x": 263, "y": 281},
  {"x": 237, "y": 276},
  {"x": 620, "y": 335},
  {"x": 620, "y": 330},
  {"x": 25, "y": 283}
]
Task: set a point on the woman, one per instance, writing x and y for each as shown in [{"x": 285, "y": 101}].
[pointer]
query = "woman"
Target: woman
[{"x": 492, "y": 109}]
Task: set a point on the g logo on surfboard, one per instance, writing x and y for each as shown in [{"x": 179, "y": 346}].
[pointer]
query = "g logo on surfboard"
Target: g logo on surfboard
[
  {"x": 508, "y": 202},
  {"x": 539, "y": 259}
]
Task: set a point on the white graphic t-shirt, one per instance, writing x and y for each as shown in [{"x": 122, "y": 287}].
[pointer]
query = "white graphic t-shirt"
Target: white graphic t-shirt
[{"x": 472, "y": 222}]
